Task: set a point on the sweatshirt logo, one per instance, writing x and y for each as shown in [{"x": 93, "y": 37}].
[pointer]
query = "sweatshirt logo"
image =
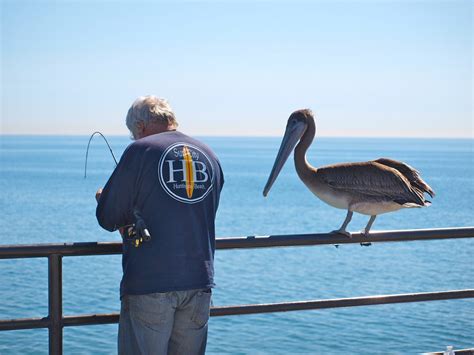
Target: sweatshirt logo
[{"x": 186, "y": 173}]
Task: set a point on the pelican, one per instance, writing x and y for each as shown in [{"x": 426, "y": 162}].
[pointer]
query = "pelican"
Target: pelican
[{"x": 370, "y": 188}]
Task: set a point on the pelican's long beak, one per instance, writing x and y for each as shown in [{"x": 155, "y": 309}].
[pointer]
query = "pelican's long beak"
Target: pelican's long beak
[{"x": 294, "y": 131}]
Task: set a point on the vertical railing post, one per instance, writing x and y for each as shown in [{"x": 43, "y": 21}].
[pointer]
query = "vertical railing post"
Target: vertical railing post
[{"x": 55, "y": 304}]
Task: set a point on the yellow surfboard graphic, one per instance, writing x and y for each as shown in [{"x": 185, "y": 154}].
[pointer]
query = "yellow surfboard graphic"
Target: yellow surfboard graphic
[{"x": 189, "y": 171}]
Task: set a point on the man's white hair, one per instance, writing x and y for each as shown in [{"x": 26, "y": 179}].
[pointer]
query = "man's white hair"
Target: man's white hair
[{"x": 150, "y": 109}]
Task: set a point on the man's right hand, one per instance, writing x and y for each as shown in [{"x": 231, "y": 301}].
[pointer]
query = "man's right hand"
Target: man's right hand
[
  {"x": 122, "y": 231},
  {"x": 98, "y": 194}
]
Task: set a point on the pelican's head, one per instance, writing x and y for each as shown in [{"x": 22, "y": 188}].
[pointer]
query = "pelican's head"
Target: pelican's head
[{"x": 295, "y": 128}]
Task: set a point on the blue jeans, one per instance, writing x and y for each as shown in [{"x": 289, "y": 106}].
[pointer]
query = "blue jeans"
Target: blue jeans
[{"x": 164, "y": 323}]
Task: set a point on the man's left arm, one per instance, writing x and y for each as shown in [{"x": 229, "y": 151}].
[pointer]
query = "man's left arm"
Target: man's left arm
[{"x": 115, "y": 200}]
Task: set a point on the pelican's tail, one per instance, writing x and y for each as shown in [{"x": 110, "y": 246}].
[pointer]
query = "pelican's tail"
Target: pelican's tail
[
  {"x": 412, "y": 175},
  {"x": 416, "y": 205}
]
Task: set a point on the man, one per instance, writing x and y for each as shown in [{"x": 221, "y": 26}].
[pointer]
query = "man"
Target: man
[{"x": 170, "y": 184}]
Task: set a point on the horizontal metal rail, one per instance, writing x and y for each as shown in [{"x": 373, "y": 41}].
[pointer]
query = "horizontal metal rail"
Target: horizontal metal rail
[
  {"x": 109, "y": 248},
  {"x": 24, "y": 323},
  {"x": 95, "y": 319},
  {"x": 456, "y": 351},
  {"x": 342, "y": 302}
]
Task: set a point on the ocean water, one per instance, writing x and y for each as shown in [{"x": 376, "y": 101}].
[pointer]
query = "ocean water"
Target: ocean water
[{"x": 45, "y": 199}]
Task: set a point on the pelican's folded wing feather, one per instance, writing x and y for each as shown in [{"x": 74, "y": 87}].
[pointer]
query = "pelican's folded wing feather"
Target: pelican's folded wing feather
[
  {"x": 373, "y": 179},
  {"x": 409, "y": 172}
]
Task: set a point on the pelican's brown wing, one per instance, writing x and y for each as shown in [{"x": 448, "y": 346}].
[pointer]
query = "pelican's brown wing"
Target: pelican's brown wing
[
  {"x": 371, "y": 179},
  {"x": 410, "y": 173}
]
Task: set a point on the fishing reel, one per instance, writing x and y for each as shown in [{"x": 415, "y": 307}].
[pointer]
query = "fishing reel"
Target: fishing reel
[
  {"x": 136, "y": 236},
  {"x": 136, "y": 233}
]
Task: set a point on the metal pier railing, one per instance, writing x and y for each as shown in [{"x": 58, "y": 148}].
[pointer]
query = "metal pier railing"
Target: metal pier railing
[{"x": 55, "y": 321}]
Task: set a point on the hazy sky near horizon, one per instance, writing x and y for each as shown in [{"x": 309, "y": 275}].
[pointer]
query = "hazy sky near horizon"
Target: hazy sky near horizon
[{"x": 366, "y": 68}]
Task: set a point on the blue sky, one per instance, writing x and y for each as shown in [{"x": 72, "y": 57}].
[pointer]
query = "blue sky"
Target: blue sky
[{"x": 366, "y": 68}]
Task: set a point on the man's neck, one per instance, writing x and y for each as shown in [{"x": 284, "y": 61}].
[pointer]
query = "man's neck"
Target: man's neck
[{"x": 155, "y": 129}]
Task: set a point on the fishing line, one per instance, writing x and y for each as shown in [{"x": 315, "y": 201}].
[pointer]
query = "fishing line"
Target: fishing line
[{"x": 87, "y": 150}]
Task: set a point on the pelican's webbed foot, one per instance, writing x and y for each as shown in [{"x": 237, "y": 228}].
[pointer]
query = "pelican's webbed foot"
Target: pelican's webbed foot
[
  {"x": 343, "y": 232},
  {"x": 342, "y": 229},
  {"x": 365, "y": 233}
]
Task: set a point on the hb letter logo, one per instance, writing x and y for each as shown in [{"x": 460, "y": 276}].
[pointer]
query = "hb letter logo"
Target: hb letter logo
[{"x": 186, "y": 173}]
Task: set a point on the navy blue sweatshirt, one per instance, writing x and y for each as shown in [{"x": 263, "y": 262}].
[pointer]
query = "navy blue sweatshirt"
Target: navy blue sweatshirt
[{"x": 174, "y": 181}]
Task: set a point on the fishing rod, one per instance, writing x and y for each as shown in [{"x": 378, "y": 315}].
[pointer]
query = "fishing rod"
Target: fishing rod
[
  {"x": 87, "y": 150},
  {"x": 135, "y": 233}
]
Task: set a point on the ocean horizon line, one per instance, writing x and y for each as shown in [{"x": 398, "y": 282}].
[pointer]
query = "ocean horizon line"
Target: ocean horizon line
[{"x": 244, "y": 136}]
